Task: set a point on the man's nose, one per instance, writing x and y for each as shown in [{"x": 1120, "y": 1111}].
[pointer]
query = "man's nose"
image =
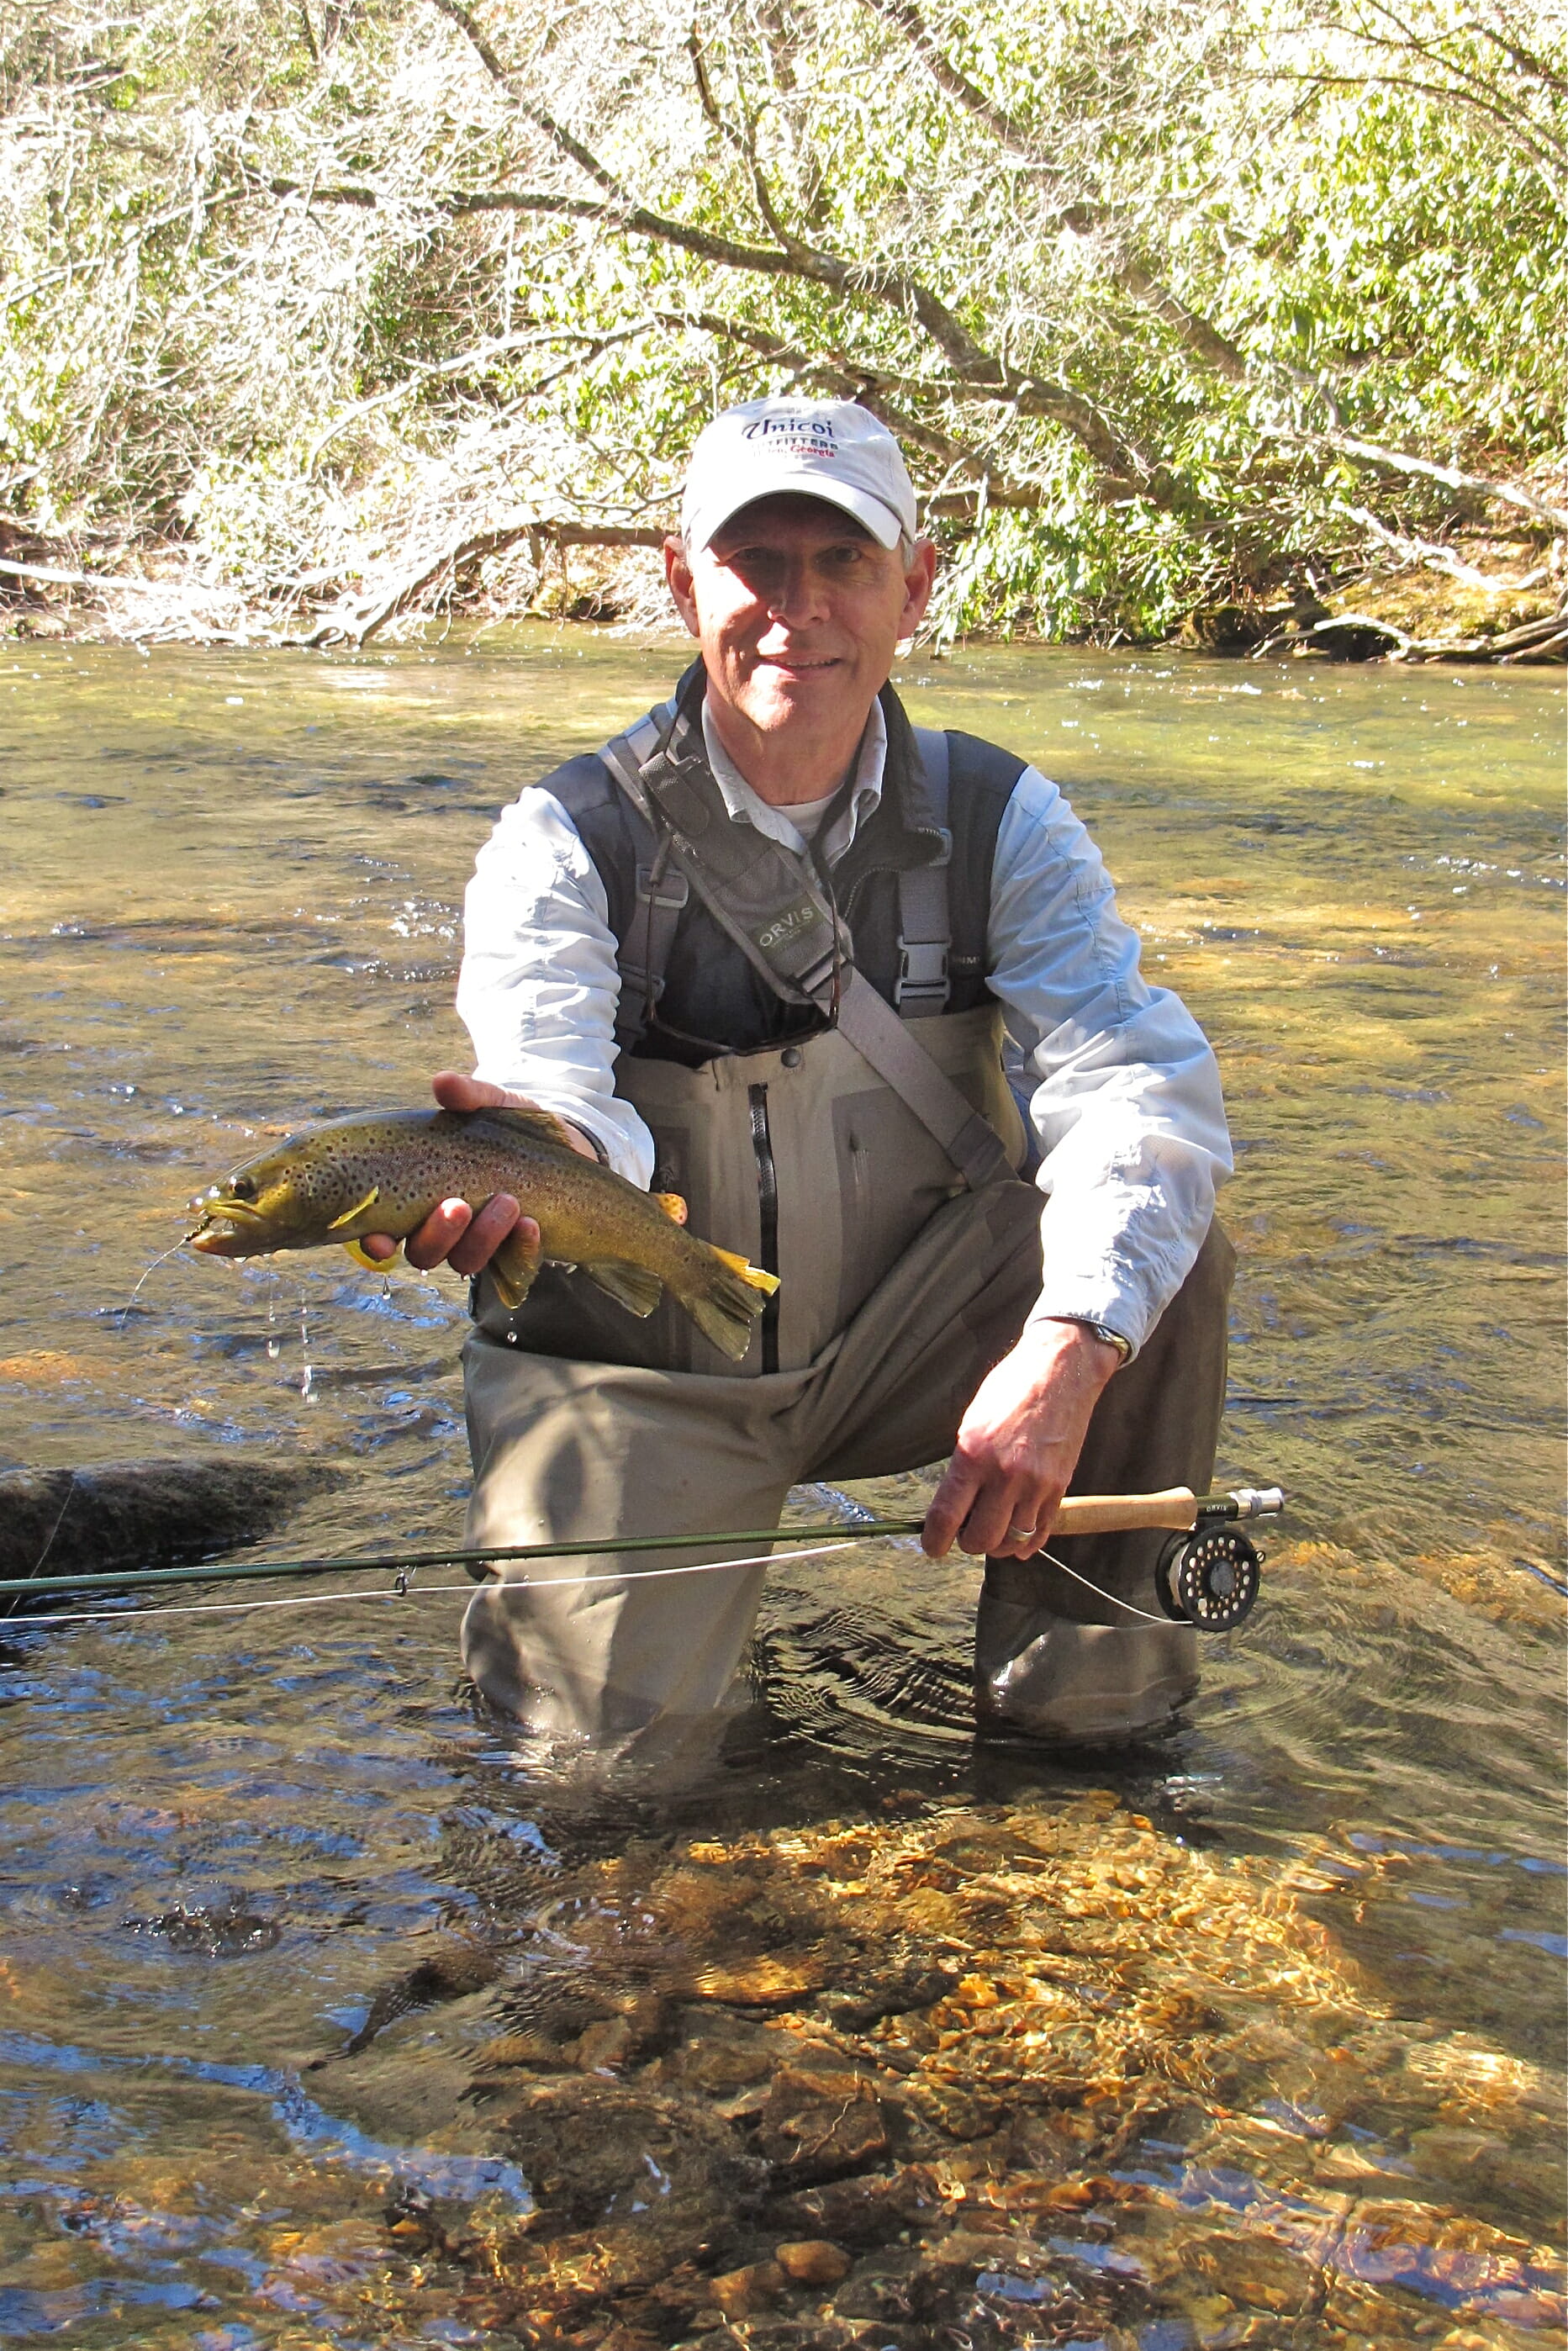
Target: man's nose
[{"x": 799, "y": 594}]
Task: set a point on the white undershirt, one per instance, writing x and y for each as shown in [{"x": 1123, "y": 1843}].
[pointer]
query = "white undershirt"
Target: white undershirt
[
  {"x": 797, "y": 826},
  {"x": 806, "y": 815}
]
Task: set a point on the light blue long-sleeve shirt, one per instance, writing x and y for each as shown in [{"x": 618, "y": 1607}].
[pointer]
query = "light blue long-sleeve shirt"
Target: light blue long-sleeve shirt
[{"x": 1126, "y": 1103}]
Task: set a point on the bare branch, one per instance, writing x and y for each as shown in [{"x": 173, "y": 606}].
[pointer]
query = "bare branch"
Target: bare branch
[
  {"x": 1400, "y": 461},
  {"x": 1543, "y": 152},
  {"x": 1438, "y": 558},
  {"x": 1085, "y": 219},
  {"x": 356, "y": 624}
]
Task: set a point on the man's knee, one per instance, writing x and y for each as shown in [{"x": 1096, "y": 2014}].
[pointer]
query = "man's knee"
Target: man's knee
[{"x": 1039, "y": 1677}]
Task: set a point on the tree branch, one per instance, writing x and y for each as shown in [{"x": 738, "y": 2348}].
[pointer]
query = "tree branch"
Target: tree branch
[
  {"x": 349, "y": 624},
  {"x": 1196, "y": 334},
  {"x": 1128, "y": 473},
  {"x": 1542, "y": 150},
  {"x": 1400, "y": 461}
]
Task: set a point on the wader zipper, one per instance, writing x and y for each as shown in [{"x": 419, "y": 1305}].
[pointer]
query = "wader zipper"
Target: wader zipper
[{"x": 768, "y": 1203}]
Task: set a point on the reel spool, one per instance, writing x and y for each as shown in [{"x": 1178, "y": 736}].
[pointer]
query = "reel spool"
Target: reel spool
[{"x": 1209, "y": 1578}]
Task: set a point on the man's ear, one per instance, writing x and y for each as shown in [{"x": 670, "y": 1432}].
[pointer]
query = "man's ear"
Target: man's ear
[
  {"x": 918, "y": 582},
  {"x": 678, "y": 573}
]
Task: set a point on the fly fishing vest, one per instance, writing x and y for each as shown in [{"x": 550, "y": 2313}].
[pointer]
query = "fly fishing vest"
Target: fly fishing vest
[{"x": 817, "y": 1055}]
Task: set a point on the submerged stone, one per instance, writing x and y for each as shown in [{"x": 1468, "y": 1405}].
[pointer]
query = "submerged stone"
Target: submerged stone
[
  {"x": 597, "y": 2153},
  {"x": 818, "y": 2126},
  {"x": 136, "y": 1514},
  {"x": 814, "y": 2261}
]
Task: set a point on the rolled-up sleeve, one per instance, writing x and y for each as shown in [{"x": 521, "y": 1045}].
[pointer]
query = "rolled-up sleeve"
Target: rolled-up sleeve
[
  {"x": 1126, "y": 1100},
  {"x": 539, "y": 984}
]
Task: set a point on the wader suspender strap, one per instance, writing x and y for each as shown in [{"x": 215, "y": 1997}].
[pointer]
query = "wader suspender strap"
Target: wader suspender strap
[
  {"x": 662, "y": 894},
  {"x": 772, "y": 904},
  {"x": 925, "y": 926}
]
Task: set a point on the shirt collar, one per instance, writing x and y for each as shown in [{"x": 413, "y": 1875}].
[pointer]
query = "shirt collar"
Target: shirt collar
[{"x": 746, "y": 807}]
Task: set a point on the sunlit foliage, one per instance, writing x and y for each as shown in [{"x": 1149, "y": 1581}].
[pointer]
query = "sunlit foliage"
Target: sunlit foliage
[{"x": 1173, "y": 299}]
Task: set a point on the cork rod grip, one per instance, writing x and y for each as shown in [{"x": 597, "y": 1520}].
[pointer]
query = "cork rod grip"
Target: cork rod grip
[{"x": 1104, "y": 1514}]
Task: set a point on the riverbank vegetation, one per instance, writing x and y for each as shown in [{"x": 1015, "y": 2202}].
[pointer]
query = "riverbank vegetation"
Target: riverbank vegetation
[{"x": 324, "y": 317}]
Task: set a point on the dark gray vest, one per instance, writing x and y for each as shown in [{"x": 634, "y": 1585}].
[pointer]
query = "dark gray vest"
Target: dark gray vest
[{"x": 712, "y": 1001}]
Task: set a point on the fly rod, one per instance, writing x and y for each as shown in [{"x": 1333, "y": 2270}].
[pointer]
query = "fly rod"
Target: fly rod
[{"x": 1178, "y": 1508}]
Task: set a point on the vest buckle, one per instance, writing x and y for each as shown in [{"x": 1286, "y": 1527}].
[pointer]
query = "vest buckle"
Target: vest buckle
[
  {"x": 670, "y": 891},
  {"x": 922, "y": 973}
]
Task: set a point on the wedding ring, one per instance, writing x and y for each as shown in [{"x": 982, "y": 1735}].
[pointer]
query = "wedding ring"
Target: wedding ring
[{"x": 1022, "y": 1534}]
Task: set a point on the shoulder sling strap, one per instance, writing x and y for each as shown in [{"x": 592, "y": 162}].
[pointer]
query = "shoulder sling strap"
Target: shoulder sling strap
[
  {"x": 925, "y": 924},
  {"x": 770, "y": 903}
]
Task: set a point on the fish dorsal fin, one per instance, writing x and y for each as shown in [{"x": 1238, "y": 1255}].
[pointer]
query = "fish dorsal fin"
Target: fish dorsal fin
[
  {"x": 529, "y": 1125},
  {"x": 674, "y": 1206}
]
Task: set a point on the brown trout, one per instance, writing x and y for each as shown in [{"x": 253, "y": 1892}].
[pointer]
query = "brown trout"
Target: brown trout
[{"x": 384, "y": 1173}]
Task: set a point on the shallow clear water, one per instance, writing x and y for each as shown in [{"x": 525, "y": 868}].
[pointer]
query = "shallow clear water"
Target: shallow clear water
[{"x": 231, "y": 898}]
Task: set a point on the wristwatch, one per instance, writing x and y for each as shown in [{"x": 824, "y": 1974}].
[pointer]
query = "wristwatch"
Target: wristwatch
[{"x": 1101, "y": 1330}]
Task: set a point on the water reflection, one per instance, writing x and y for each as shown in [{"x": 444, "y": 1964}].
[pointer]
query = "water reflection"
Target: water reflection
[{"x": 1315, "y": 1940}]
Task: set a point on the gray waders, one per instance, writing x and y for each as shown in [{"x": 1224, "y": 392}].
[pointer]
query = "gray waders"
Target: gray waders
[{"x": 910, "y": 1255}]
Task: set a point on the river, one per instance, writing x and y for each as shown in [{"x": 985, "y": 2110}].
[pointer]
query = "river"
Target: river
[{"x": 1249, "y": 2038}]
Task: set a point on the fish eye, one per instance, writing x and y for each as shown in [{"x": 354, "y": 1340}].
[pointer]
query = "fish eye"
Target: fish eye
[{"x": 242, "y": 1188}]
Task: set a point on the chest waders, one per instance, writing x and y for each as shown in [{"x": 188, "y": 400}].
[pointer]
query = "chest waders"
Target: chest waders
[{"x": 871, "y": 1162}]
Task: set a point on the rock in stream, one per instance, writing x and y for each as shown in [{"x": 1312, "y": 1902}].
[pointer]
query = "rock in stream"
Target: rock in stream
[{"x": 135, "y": 1514}]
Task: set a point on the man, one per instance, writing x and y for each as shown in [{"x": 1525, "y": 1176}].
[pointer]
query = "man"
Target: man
[{"x": 760, "y": 950}]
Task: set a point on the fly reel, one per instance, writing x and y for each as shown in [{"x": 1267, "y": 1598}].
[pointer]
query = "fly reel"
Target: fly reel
[{"x": 1210, "y": 1578}]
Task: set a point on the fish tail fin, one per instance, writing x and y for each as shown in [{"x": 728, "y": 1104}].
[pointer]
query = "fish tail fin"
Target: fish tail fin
[
  {"x": 752, "y": 1275},
  {"x": 726, "y": 1298}
]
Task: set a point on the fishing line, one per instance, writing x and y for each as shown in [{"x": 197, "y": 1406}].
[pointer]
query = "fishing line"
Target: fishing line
[
  {"x": 404, "y": 1590},
  {"x": 1094, "y": 1588},
  {"x": 152, "y": 1268},
  {"x": 60, "y": 1523}
]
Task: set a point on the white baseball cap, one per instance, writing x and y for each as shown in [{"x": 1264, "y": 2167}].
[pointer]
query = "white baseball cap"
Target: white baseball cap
[{"x": 830, "y": 449}]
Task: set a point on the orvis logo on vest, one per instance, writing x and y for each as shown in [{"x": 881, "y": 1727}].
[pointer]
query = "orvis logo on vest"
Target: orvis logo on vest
[{"x": 787, "y": 926}]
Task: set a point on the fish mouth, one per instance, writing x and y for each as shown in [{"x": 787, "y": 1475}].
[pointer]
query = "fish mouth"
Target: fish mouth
[{"x": 214, "y": 1237}]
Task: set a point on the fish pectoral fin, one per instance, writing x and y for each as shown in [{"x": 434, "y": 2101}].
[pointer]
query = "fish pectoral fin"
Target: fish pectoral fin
[
  {"x": 372, "y": 1196},
  {"x": 515, "y": 1268},
  {"x": 631, "y": 1286},
  {"x": 356, "y": 1249},
  {"x": 674, "y": 1206}
]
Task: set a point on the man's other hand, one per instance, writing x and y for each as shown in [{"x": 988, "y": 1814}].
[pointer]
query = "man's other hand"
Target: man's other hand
[
  {"x": 1018, "y": 1445},
  {"x": 454, "y": 1234}
]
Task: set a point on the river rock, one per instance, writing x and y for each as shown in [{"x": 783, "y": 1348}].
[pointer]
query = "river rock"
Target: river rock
[
  {"x": 134, "y": 1514},
  {"x": 812, "y": 2261},
  {"x": 881, "y": 2286},
  {"x": 862, "y": 2211},
  {"x": 596, "y": 2152},
  {"x": 741, "y": 2292},
  {"x": 820, "y": 2125}
]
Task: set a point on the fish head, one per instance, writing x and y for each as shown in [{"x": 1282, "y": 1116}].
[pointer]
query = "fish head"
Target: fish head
[{"x": 266, "y": 1205}]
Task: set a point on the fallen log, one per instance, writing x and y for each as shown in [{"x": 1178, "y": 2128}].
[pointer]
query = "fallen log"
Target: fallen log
[{"x": 348, "y": 625}]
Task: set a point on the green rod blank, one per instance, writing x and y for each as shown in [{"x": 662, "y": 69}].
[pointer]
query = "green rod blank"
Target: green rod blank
[{"x": 150, "y": 1579}]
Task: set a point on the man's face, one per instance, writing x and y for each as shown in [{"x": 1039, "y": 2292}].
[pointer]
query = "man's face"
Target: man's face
[{"x": 798, "y": 612}]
